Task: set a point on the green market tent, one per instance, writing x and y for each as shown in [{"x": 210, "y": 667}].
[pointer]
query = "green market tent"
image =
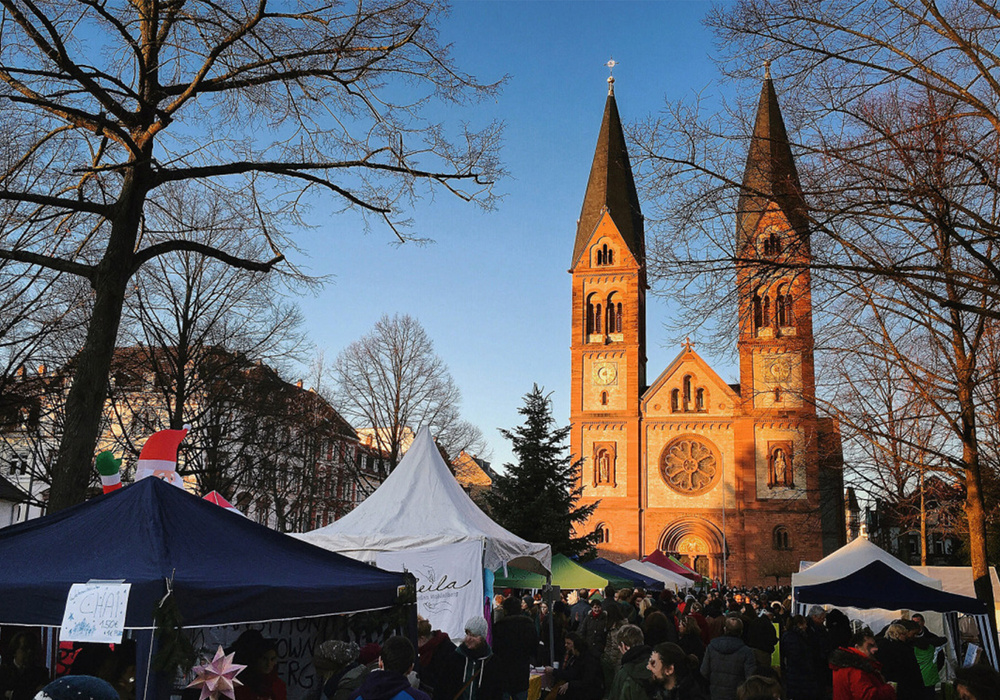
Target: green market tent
[{"x": 566, "y": 573}]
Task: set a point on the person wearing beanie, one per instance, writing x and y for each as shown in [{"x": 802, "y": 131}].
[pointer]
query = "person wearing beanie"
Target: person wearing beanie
[
  {"x": 471, "y": 672},
  {"x": 332, "y": 660},
  {"x": 78, "y": 688},
  {"x": 390, "y": 681},
  {"x": 515, "y": 643}
]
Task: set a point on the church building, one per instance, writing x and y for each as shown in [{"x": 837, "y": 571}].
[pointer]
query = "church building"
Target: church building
[{"x": 741, "y": 481}]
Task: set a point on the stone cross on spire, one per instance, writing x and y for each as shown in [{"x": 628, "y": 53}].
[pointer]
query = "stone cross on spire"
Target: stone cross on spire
[
  {"x": 687, "y": 345},
  {"x": 611, "y": 78}
]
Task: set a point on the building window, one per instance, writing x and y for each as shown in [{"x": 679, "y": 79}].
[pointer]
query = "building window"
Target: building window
[
  {"x": 780, "y": 539},
  {"x": 603, "y": 533},
  {"x": 604, "y": 398},
  {"x": 784, "y": 306},
  {"x": 699, "y": 399},
  {"x": 605, "y": 255},
  {"x": 675, "y": 400},
  {"x": 758, "y": 312}
]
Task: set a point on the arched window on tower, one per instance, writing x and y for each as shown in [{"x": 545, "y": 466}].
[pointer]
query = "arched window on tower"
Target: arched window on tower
[
  {"x": 675, "y": 400},
  {"x": 780, "y": 538},
  {"x": 758, "y": 313},
  {"x": 699, "y": 399},
  {"x": 687, "y": 392},
  {"x": 789, "y": 307},
  {"x": 598, "y": 319},
  {"x": 766, "y": 312},
  {"x": 605, "y": 255},
  {"x": 614, "y": 314},
  {"x": 604, "y": 398},
  {"x": 591, "y": 321}
]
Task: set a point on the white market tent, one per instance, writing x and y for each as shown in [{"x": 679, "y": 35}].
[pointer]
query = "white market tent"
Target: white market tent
[
  {"x": 852, "y": 557},
  {"x": 669, "y": 578},
  {"x": 863, "y": 577},
  {"x": 420, "y": 514}
]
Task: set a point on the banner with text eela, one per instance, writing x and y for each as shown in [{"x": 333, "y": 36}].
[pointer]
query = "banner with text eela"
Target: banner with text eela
[{"x": 449, "y": 582}]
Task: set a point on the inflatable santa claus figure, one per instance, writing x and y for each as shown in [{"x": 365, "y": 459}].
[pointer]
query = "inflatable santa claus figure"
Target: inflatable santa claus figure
[{"x": 159, "y": 456}]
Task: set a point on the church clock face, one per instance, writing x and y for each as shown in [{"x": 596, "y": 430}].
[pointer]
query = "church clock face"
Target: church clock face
[
  {"x": 605, "y": 373},
  {"x": 778, "y": 369}
]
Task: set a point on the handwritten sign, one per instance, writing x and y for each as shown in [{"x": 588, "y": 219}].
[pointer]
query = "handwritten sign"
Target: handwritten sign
[{"x": 95, "y": 612}]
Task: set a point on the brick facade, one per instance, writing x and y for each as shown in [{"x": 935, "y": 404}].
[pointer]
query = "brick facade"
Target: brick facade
[{"x": 742, "y": 482}]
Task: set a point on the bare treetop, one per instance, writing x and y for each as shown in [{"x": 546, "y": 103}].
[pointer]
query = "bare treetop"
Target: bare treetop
[{"x": 107, "y": 107}]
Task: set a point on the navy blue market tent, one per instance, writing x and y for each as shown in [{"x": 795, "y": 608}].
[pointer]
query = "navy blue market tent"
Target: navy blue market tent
[
  {"x": 601, "y": 565},
  {"x": 878, "y": 585},
  {"x": 225, "y": 569}
]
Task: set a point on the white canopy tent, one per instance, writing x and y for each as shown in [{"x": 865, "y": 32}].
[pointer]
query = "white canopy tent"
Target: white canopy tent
[
  {"x": 421, "y": 520},
  {"x": 878, "y": 601},
  {"x": 669, "y": 578},
  {"x": 852, "y": 557}
]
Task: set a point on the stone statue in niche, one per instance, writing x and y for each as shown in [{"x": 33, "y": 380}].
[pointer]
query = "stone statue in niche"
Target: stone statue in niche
[{"x": 781, "y": 468}]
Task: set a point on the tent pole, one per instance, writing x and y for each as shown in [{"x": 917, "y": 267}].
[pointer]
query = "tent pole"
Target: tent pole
[{"x": 552, "y": 614}]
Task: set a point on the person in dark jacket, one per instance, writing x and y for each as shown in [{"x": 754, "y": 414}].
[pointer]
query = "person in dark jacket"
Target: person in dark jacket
[
  {"x": 690, "y": 638},
  {"x": 470, "y": 672},
  {"x": 899, "y": 663},
  {"x": 21, "y": 674},
  {"x": 390, "y": 681},
  {"x": 760, "y": 636},
  {"x": 515, "y": 643},
  {"x": 857, "y": 674},
  {"x": 802, "y": 679},
  {"x": 820, "y": 646},
  {"x": 728, "y": 661},
  {"x": 632, "y": 679},
  {"x": 433, "y": 649},
  {"x": 672, "y": 676},
  {"x": 580, "y": 676},
  {"x": 594, "y": 627}
]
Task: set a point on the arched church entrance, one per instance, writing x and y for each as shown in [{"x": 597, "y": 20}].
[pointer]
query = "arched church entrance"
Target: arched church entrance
[{"x": 697, "y": 543}]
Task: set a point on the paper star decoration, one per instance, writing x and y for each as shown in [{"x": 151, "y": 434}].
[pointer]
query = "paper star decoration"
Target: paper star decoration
[{"x": 218, "y": 677}]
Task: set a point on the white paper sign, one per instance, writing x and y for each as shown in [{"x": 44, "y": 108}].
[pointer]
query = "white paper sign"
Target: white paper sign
[
  {"x": 449, "y": 582},
  {"x": 95, "y": 612}
]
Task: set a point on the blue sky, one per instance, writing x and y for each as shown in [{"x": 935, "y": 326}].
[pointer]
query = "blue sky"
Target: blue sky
[{"x": 493, "y": 290}]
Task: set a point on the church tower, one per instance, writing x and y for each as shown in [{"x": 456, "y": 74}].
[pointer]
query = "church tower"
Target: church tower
[
  {"x": 608, "y": 346},
  {"x": 793, "y": 482},
  {"x": 775, "y": 302}
]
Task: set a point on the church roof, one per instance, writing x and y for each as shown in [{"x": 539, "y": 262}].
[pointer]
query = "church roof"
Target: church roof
[
  {"x": 770, "y": 174},
  {"x": 611, "y": 187}
]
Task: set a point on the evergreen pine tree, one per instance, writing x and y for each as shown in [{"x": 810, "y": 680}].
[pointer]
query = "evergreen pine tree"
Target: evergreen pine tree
[{"x": 536, "y": 498}]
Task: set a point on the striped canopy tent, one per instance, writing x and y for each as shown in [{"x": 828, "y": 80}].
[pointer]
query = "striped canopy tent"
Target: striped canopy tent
[
  {"x": 566, "y": 573},
  {"x": 661, "y": 560}
]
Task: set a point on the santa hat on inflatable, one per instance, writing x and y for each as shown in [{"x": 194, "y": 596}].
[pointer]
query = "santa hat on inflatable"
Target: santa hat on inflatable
[{"x": 159, "y": 456}]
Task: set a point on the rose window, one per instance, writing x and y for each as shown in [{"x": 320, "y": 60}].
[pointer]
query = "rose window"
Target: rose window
[{"x": 689, "y": 466}]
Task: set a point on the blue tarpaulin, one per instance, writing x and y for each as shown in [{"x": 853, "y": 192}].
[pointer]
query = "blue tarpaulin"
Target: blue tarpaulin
[
  {"x": 225, "y": 569},
  {"x": 605, "y": 566},
  {"x": 878, "y": 585}
]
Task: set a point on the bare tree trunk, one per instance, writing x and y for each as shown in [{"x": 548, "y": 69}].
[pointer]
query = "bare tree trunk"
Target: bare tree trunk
[{"x": 73, "y": 469}]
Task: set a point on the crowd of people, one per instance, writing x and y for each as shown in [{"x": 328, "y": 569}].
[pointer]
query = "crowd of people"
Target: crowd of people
[
  {"x": 590, "y": 645},
  {"x": 727, "y": 645}
]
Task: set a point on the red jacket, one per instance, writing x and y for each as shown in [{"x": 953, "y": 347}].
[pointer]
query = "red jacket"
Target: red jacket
[{"x": 857, "y": 677}]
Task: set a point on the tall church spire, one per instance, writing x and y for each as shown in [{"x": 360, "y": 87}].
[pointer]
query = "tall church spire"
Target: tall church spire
[
  {"x": 611, "y": 187},
  {"x": 770, "y": 174}
]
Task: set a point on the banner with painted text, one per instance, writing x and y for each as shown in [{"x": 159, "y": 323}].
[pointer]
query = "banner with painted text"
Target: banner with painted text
[{"x": 449, "y": 582}]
